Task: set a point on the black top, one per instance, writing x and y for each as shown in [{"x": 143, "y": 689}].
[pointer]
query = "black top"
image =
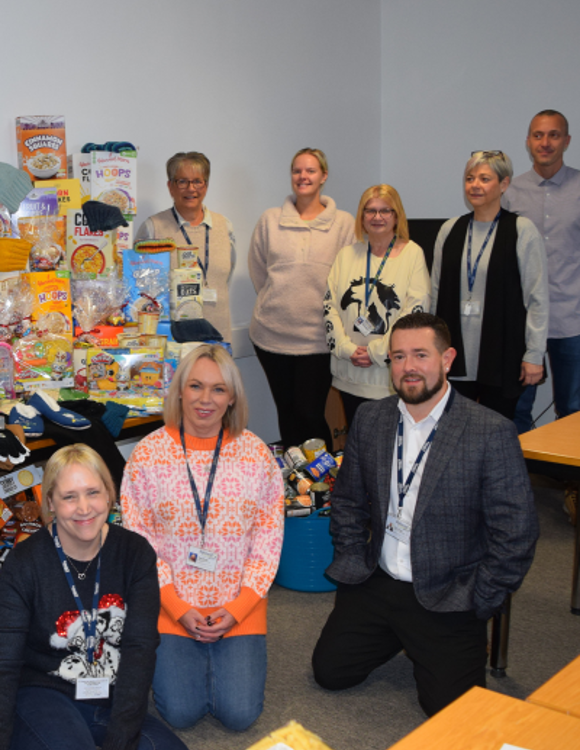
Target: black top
[{"x": 42, "y": 638}]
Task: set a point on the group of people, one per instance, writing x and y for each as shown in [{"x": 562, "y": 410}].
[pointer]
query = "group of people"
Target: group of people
[{"x": 432, "y": 519}]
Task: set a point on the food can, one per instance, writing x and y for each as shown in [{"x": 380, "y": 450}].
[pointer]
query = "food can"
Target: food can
[
  {"x": 300, "y": 482},
  {"x": 313, "y": 448},
  {"x": 301, "y": 505},
  {"x": 294, "y": 458},
  {"x": 320, "y": 494}
]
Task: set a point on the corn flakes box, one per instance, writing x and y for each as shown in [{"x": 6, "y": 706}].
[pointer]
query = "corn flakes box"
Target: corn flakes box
[
  {"x": 79, "y": 168},
  {"x": 52, "y": 310},
  {"x": 86, "y": 251},
  {"x": 114, "y": 179},
  {"x": 41, "y": 145},
  {"x": 68, "y": 193}
]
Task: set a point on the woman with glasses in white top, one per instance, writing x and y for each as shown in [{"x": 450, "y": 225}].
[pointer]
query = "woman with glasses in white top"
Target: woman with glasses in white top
[
  {"x": 490, "y": 285},
  {"x": 190, "y": 224},
  {"x": 372, "y": 283}
]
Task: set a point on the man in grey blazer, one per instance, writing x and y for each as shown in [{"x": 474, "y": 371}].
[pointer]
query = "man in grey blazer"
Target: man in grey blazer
[{"x": 433, "y": 523}]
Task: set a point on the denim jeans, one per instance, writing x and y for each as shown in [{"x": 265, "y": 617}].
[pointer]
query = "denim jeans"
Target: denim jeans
[
  {"x": 49, "y": 720},
  {"x": 523, "y": 418},
  {"x": 565, "y": 365},
  {"x": 225, "y": 679}
]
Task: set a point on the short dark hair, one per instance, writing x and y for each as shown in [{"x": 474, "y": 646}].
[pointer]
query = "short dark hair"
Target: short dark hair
[
  {"x": 551, "y": 113},
  {"x": 425, "y": 320}
]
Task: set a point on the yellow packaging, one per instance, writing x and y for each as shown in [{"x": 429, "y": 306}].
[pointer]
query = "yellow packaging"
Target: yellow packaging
[
  {"x": 68, "y": 193},
  {"x": 88, "y": 252},
  {"x": 292, "y": 736},
  {"x": 52, "y": 301}
]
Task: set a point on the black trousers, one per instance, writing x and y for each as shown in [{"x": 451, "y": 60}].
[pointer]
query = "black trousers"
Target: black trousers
[
  {"x": 351, "y": 404},
  {"x": 487, "y": 395},
  {"x": 373, "y": 621},
  {"x": 299, "y": 386}
]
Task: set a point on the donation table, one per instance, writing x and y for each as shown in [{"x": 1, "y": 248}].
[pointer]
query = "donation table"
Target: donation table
[{"x": 561, "y": 692}]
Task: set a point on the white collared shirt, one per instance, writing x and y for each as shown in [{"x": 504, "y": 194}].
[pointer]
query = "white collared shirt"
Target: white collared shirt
[{"x": 395, "y": 556}]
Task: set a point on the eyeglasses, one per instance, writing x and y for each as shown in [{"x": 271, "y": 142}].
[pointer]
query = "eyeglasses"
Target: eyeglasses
[
  {"x": 184, "y": 184},
  {"x": 487, "y": 154},
  {"x": 384, "y": 213}
]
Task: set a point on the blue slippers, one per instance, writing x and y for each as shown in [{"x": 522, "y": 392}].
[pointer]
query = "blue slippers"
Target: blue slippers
[
  {"x": 50, "y": 409},
  {"x": 28, "y": 418}
]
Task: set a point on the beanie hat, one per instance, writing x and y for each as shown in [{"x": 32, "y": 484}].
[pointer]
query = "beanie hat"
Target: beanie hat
[
  {"x": 102, "y": 217},
  {"x": 196, "y": 329},
  {"x": 114, "y": 417},
  {"x": 15, "y": 184},
  {"x": 14, "y": 254}
]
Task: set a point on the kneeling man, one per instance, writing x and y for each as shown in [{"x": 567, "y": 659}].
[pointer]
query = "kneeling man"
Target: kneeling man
[{"x": 433, "y": 523}]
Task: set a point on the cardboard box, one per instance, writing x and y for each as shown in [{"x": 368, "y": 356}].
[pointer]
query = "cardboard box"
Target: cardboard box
[
  {"x": 79, "y": 168},
  {"x": 68, "y": 193},
  {"x": 186, "y": 301},
  {"x": 41, "y": 145},
  {"x": 86, "y": 251},
  {"x": 52, "y": 297},
  {"x": 114, "y": 179}
]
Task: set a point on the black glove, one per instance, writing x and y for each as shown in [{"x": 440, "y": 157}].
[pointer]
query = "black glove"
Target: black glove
[{"x": 11, "y": 449}]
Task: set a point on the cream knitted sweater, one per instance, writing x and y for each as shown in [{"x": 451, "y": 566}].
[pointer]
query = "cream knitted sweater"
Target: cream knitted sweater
[{"x": 289, "y": 262}]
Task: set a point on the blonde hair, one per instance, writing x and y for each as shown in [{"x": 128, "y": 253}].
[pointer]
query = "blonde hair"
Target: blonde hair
[
  {"x": 390, "y": 195},
  {"x": 80, "y": 454},
  {"x": 319, "y": 155},
  {"x": 236, "y": 416},
  {"x": 497, "y": 161}
]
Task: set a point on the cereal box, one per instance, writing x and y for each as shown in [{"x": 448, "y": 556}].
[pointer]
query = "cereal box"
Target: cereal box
[
  {"x": 41, "y": 144},
  {"x": 79, "y": 168},
  {"x": 125, "y": 236},
  {"x": 68, "y": 193},
  {"x": 52, "y": 301},
  {"x": 186, "y": 301},
  {"x": 88, "y": 252},
  {"x": 114, "y": 179},
  {"x": 37, "y": 219}
]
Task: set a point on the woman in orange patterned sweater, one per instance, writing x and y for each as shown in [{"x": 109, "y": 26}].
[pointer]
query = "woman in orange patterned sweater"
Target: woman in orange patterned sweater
[{"x": 208, "y": 496}]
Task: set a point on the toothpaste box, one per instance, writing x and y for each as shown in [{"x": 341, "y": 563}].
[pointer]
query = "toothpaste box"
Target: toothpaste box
[
  {"x": 114, "y": 179},
  {"x": 41, "y": 145}
]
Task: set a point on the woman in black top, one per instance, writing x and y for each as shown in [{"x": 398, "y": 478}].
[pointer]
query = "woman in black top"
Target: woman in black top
[{"x": 70, "y": 680}]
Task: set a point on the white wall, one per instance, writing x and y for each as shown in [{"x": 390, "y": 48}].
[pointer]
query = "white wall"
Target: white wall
[
  {"x": 461, "y": 75},
  {"x": 248, "y": 83}
]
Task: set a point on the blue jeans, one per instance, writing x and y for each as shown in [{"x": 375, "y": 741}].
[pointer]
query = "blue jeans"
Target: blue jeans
[
  {"x": 523, "y": 418},
  {"x": 46, "y": 719},
  {"x": 225, "y": 679},
  {"x": 565, "y": 363}
]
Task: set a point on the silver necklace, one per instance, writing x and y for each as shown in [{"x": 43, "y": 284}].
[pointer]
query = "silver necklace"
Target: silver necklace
[{"x": 82, "y": 575}]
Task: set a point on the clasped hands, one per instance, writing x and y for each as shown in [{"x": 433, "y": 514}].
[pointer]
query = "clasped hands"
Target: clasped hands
[
  {"x": 210, "y": 628},
  {"x": 360, "y": 358}
]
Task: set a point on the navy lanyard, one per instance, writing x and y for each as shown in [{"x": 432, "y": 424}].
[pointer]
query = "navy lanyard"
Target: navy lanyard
[
  {"x": 89, "y": 626},
  {"x": 472, "y": 272},
  {"x": 404, "y": 488},
  {"x": 368, "y": 291},
  {"x": 202, "y": 512},
  {"x": 204, "y": 269}
]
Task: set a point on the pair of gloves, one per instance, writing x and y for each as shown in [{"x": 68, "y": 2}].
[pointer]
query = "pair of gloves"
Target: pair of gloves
[{"x": 12, "y": 448}]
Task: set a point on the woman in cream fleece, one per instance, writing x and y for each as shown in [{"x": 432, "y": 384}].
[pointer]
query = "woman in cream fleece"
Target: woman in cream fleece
[
  {"x": 370, "y": 286},
  {"x": 291, "y": 253}
]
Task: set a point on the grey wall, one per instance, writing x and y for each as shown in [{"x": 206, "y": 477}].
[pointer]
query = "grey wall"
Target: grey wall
[{"x": 393, "y": 91}]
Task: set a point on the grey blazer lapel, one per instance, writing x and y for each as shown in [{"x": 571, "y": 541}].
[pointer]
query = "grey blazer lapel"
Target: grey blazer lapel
[
  {"x": 442, "y": 451},
  {"x": 385, "y": 442}
]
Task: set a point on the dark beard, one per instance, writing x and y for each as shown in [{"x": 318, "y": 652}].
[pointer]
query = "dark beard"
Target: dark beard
[{"x": 421, "y": 396}]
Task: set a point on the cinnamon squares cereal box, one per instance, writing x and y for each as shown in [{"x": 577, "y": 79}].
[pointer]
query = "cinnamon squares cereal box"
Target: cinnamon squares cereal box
[{"x": 41, "y": 145}]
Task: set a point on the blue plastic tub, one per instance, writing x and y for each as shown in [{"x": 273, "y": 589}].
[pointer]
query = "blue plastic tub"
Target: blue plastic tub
[{"x": 306, "y": 553}]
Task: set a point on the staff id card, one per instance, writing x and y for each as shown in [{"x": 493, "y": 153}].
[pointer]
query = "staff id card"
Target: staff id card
[
  {"x": 471, "y": 307},
  {"x": 209, "y": 295},
  {"x": 89, "y": 688},
  {"x": 203, "y": 559},
  {"x": 398, "y": 529},
  {"x": 364, "y": 326}
]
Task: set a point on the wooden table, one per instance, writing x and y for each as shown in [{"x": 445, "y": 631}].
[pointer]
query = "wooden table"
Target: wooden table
[
  {"x": 561, "y": 692},
  {"x": 484, "y": 720},
  {"x": 557, "y": 446}
]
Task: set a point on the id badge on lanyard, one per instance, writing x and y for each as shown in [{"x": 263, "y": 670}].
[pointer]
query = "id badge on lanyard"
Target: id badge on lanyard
[
  {"x": 208, "y": 295},
  {"x": 362, "y": 323}
]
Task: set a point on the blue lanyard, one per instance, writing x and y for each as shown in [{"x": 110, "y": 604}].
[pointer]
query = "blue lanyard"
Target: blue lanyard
[
  {"x": 368, "y": 291},
  {"x": 404, "y": 488},
  {"x": 202, "y": 512},
  {"x": 472, "y": 272},
  {"x": 204, "y": 269},
  {"x": 89, "y": 625}
]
